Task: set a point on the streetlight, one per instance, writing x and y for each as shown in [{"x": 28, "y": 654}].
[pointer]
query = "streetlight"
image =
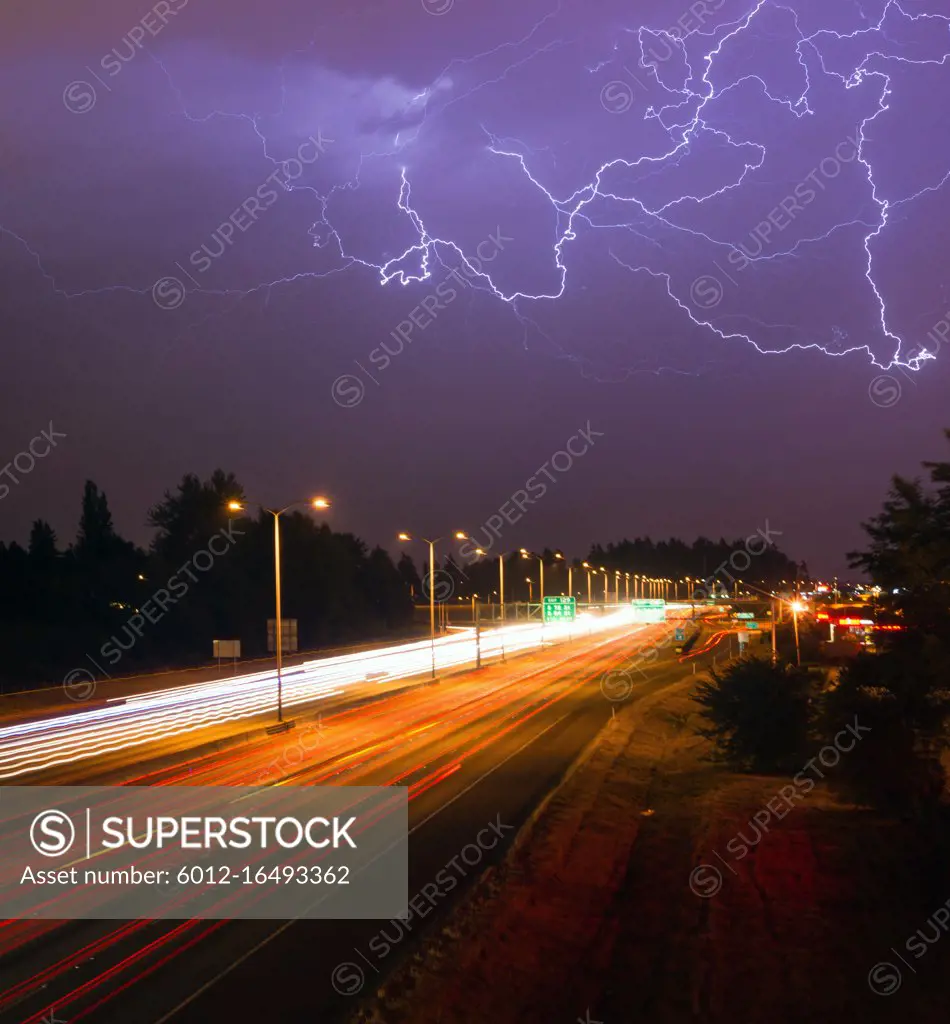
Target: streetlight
[
  {"x": 626, "y": 577},
  {"x": 604, "y": 571},
  {"x": 501, "y": 580},
  {"x": 239, "y": 506},
  {"x": 588, "y": 567},
  {"x": 797, "y": 607},
  {"x": 617, "y": 575},
  {"x": 525, "y": 553},
  {"x": 407, "y": 538},
  {"x": 528, "y": 580},
  {"x": 559, "y": 557}
]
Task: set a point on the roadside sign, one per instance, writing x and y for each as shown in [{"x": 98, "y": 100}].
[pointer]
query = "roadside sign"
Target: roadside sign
[
  {"x": 288, "y": 636},
  {"x": 226, "y": 649},
  {"x": 680, "y": 634},
  {"x": 745, "y": 615},
  {"x": 560, "y": 609},
  {"x": 752, "y": 625},
  {"x": 648, "y": 609},
  {"x": 743, "y": 638}
]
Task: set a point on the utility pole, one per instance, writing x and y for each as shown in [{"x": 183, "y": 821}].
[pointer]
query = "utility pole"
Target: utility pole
[
  {"x": 798, "y": 650},
  {"x": 432, "y": 602},
  {"x": 478, "y": 639},
  {"x": 279, "y": 637}
]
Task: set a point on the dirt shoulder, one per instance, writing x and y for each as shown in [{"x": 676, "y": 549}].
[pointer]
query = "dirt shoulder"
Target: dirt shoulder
[{"x": 627, "y": 900}]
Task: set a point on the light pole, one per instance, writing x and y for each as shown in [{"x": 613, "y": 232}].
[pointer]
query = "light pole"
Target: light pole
[
  {"x": 797, "y": 607},
  {"x": 407, "y": 538},
  {"x": 527, "y": 580},
  {"x": 527, "y": 554},
  {"x": 501, "y": 580},
  {"x": 588, "y": 567},
  {"x": 617, "y": 575},
  {"x": 604, "y": 571},
  {"x": 626, "y": 577},
  {"x": 239, "y": 506}
]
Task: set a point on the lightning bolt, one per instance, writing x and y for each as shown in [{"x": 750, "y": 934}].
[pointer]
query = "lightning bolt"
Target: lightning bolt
[{"x": 685, "y": 117}]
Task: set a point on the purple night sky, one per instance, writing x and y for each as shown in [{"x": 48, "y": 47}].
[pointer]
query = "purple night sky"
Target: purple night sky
[{"x": 215, "y": 215}]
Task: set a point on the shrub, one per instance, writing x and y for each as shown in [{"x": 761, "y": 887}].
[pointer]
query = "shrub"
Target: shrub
[{"x": 759, "y": 715}]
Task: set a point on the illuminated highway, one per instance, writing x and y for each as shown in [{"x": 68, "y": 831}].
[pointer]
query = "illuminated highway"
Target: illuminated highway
[
  {"x": 478, "y": 747},
  {"x": 133, "y": 721}
]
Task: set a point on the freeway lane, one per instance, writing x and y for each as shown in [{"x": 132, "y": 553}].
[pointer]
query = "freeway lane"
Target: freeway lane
[
  {"x": 432, "y": 739},
  {"x": 147, "y": 720},
  {"x": 291, "y": 977},
  {"x": 471, "y": 755}
]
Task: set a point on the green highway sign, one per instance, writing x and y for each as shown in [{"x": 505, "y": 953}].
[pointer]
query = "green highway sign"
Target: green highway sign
[
  {"x": 745, "y": 615},
  {"x": 559, "y": 609},
  {"x": 648, "y": 609}
]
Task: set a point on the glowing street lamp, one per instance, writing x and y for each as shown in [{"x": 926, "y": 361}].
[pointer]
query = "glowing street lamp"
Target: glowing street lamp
[
  {"x": 559, "y": 557},
  {"x": 407, "y": 538},
  {"x": 589, "y": 568},
  {"x": 797, "y": 606},
  {"x": 318, "y": 504},
  {"x": 525, "y": 553},
  {"x": 501, "y": 579}
]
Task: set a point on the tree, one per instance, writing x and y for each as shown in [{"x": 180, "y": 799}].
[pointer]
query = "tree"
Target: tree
[
  {"x": 410, "y": 576},
  {"x": 909, "y": 551},
  {"x": 106, "y": 566},
  {"x": 903, "y": 693},
  {"x": 42, "y": 549},
  {"x": 186, "y": 520},
  {"x": 758, "y": 714},
  {"x": 900, "y": 707}
]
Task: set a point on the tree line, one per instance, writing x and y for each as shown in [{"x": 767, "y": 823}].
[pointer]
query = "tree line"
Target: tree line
[
  {"x": 207, "y": 574},
  {"x": 105, "y": 605},
  {"x": 712, "y": 565}
]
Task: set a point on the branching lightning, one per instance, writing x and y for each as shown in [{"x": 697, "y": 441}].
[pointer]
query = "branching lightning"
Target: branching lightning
[{"x": 684, "y": 117}]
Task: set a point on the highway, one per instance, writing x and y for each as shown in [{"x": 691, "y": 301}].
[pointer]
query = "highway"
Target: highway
[
  {"x": 143, "y": 719},
  {"x": 478, "y": 748}
]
